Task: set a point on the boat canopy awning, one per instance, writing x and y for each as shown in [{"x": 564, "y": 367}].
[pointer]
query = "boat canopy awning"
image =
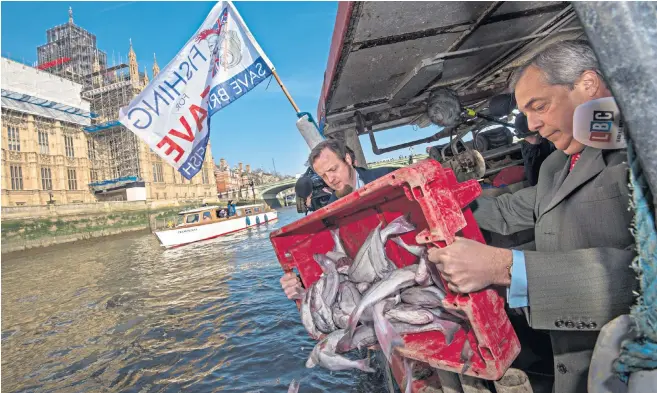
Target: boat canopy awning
[{"x": 386, "y": 57}]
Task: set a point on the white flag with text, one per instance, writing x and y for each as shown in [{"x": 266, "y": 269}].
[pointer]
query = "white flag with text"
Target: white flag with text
[{"x": 218, "y": 65}]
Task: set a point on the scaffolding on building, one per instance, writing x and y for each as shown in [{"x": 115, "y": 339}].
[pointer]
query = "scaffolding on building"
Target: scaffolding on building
[
  {"x": 115, "y": 153},
  {"x": 114, "y": 150},
  {"x": 70, "y": 52}
]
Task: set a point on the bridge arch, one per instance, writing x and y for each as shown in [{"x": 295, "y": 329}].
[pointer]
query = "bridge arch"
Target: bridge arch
[{"x": 269, "y": 192}]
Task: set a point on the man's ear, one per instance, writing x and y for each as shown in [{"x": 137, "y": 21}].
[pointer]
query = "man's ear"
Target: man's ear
[
  {"x": 589, "y": 83},
  {"x": 347, "y": 159}
]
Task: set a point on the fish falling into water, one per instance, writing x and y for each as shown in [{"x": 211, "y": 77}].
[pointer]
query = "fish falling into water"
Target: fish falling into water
[
  {"x": 294, "y": 387},
  {"x": 367, "y": 300}
]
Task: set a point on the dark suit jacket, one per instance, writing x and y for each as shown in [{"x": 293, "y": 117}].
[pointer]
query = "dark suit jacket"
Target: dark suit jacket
[
  {"x": 367, "y": 176},
  {"x": 578, "y": 276}
]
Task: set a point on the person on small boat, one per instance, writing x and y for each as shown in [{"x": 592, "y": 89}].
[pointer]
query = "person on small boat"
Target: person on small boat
[
  {"x": 231, "y": 209},
  {"x": 222, "y": 213}
]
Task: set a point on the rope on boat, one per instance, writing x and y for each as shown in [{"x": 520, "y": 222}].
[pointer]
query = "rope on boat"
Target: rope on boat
[{"x": 640, "y": 353}]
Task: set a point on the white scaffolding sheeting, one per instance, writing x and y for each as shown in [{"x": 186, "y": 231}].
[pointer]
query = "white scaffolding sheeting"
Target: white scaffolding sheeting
[{"x": 49, "y": 109}]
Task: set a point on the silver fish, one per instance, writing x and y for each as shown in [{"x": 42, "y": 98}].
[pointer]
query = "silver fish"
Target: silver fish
[
  {"x": 396, "y": 227},
  {"x": 332, "y": 278},
  {"x": 435, "y": 276},
  {"x": 340, "y": 318},
  {"x": 423, "y": 296},
  {"x": 320, "y": 311},
  {"x": 294, "y": 387},
  {"x": 306, "y": 315},
  {"x": 361, "y": 269},
  {"x": 388, "y": 338},
  {"x": 382, "y": 265},
  {"x": 342, "y": 261},
  {"x": 338, "y": 247},
  {"x": 349, "y": 297},
  {"x": 363, "y": 287},
  {"x": 335, "y": 362},
  {"x": 423, "y": 277},
  {"x": 324, "y": 355},
  {"x": 411, "y": 314},
  {"x": 413, "y": 249},
  {"x": 447, "y": 328},
  {"x": 397, "y": 280},
  {"x": 327, "y": 344},
  {"x": 363, "y": 337}
]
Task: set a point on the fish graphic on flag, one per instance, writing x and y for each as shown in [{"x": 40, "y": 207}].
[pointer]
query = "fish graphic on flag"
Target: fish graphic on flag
[{"x": 219, "y": 64}]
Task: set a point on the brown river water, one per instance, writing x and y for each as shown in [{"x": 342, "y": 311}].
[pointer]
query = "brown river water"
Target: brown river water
[{"x": 121, "y": 314}]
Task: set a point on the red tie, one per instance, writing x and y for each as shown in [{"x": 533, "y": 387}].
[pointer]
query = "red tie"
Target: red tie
[{"x": 573, "y": 160}]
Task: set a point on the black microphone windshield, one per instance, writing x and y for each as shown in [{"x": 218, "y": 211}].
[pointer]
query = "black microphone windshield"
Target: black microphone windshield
[
  {"x": 304, "y": 187},
  {"x": 501, "y": 105}
]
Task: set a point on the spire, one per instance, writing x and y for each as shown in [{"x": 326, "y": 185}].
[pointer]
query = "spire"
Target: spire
[
  {"x": 70, "y": 15},
  {"x": 156, "y": 68},
  {"x": 146, "y": 77},
  {"x": 97, "y": 79},
  {"x": 133, "y": 66}
]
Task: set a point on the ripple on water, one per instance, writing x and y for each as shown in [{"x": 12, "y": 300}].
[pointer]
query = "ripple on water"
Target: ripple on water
[{"x": 123, "y": 315}]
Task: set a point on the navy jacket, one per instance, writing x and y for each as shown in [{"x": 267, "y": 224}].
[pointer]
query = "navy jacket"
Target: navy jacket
[{"x": 367, "y": 176}]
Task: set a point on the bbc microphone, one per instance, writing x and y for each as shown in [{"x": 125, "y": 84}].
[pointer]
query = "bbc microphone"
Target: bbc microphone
[{"x": 598, "y": 123}]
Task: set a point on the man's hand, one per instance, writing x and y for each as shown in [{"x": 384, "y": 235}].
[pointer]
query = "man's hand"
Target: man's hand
[
  {"x": 469, "y": 266},
  {"x": 291, "y": 285}
]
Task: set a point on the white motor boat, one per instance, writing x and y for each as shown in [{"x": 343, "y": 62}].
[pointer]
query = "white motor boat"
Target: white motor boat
[{"x": 209, "y": 222}]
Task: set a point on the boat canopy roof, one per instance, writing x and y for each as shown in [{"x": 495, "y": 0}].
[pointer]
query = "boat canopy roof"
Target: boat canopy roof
[
  {"x": 386, "y": 57},
  {"x": 249, "y": 206},
  {"x": 215, "y": 207},
  {"x": 200, "y": 209}
]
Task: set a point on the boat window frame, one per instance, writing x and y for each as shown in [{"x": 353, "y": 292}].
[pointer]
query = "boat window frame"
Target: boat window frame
[{"x": 192, "y": 215}]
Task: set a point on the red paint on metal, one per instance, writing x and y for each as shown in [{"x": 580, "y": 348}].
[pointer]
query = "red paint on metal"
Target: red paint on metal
[
  {"x": 510, "y": 175},
  {"x": 440, "y": 212},
  {"x": 342, "y": 19},
  {"x": 54, "y": 63}
]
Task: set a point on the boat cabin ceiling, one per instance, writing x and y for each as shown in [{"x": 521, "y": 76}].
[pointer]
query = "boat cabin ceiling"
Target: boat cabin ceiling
[{"x": 386, "y": 57}]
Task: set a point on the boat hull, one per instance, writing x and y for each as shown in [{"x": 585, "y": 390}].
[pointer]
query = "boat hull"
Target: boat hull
[{"x": 185, "y": 235}]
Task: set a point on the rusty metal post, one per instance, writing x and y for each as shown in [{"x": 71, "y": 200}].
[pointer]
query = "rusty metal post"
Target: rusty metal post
[{"x": 513, "y": 381}]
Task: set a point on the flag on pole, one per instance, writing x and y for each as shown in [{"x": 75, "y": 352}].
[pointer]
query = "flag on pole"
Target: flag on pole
[{"x": 218, "y": 65}]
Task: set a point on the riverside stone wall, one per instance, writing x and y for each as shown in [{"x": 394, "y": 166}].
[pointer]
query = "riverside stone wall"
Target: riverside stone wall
[{"x": 25, "y": 227}]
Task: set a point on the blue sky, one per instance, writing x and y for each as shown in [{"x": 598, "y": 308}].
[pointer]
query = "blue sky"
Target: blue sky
[{"x": 258, "y": 127}]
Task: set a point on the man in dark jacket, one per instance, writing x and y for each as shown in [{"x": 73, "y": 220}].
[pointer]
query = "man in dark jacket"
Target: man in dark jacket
[
  {"x": 331, "y": 160},
  {"x": 535, "y": 149}
]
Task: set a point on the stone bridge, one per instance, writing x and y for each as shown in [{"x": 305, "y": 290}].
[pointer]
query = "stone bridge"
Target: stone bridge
[{"x": 270, "y": 192}]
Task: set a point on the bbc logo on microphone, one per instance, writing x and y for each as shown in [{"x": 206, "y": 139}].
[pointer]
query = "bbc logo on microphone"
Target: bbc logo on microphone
[{"x": 601, "y": 126}]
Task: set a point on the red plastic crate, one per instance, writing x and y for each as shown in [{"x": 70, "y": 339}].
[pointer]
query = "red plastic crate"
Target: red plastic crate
[{"x": 437, "y": 205}]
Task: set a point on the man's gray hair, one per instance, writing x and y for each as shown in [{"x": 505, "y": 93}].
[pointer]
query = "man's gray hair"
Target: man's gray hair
[
  {"x": 336, "y": 146},
  {"x": 562, "y": 63}
]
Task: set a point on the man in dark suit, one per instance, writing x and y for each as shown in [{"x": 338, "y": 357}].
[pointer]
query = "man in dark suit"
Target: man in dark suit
[
  {"x": 578, "y": 277},
  {"x": 332, "y": 161}
]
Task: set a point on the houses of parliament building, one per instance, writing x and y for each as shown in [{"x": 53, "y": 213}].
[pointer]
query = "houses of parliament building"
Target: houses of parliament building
[{"x": 60, "y": 139}]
